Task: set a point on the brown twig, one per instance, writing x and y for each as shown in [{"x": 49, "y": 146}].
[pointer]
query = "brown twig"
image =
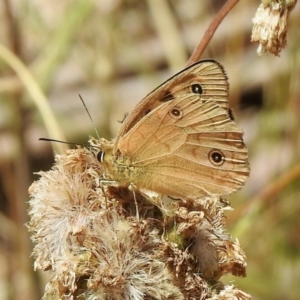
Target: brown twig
[
  {"x": 211, "y": 30},
  {"x": 267, "y": 193}
]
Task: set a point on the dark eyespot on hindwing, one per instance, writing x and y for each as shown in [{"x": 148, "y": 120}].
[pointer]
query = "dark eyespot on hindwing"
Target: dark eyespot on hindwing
[{"x": 216, "y": 157}]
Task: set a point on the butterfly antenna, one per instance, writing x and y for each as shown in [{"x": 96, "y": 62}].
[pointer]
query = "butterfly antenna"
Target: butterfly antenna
[
  {"x": 68, "y": 143},
  {"x": 86, "y": 109}
]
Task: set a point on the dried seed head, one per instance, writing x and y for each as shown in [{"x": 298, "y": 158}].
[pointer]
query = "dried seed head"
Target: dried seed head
[
  {"x": 87, "y": 237},
  {"x": 270, "y": 25}
]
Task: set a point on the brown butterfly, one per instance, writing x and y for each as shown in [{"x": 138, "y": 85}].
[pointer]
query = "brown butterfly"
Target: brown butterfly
[{"x": 181, "y": 139}]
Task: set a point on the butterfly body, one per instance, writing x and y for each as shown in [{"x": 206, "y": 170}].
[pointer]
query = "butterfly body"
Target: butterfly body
[
  {"x": 117, "y": 167},
  {"x": 181, "y": 139}
]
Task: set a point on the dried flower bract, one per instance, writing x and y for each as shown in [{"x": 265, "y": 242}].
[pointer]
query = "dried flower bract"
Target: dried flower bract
[{"x": 270, "y": 25}]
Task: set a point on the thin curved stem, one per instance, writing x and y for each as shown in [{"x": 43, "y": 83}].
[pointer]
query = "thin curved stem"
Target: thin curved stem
[
  {"x": 211, "y": 30},
  {"x": 36, "y": 94}
]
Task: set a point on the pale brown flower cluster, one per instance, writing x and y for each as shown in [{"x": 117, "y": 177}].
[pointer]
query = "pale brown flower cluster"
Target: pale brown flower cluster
[
  {"x": 87, "y": 236},
  {"x": 270, "y": 25}
]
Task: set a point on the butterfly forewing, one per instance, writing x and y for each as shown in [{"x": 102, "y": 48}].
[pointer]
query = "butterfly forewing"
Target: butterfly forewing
[
  {"x": 186, "y": 148},
  {"x": 207, "y": 78}
]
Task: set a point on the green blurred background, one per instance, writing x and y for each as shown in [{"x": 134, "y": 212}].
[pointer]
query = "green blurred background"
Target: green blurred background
[{"x": 112, "y": 53}]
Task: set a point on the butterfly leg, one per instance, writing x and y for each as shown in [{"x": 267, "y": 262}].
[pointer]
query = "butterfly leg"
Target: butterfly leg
[{"x": 106, "y": 183}]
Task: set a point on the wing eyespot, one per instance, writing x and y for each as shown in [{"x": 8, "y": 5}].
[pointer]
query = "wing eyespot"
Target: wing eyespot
[
  {"x": 197, "y": 88},
  {"x": 176, "y": 113},
  {"x": 216, "y": 157}
]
